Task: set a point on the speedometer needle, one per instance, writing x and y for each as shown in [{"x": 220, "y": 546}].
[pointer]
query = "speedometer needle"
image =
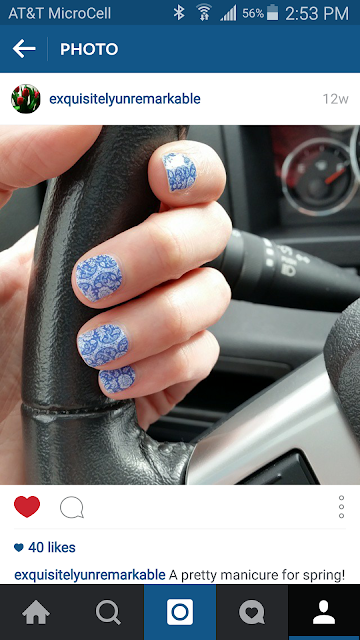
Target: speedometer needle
[{"x": 335, "y": 175}]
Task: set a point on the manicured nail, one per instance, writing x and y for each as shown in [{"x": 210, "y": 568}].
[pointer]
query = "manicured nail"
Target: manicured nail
[
  {"x": 180, "y": 171},
  {"x": 98, "y": 277},
  {"x": 101, "y": 345},
  {"x": 117, "y": 379}
]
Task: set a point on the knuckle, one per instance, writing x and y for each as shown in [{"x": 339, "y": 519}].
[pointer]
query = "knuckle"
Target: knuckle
[
  {"x": 168, "y": 247},
  {"x": 219, "y": 284},
  {"x": 196, "y": 359},
  {"x": 212, "y": 350},
  {"x": 221, "y": 222},
  {"x": 173, "y": 318},
  {"x": 182, "y": 366}
]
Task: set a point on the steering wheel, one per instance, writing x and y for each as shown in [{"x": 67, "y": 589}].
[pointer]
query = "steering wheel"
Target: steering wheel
[{"x": 73, "y": 434}]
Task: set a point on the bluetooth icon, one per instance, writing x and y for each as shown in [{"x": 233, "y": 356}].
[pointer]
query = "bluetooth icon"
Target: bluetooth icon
[{"x": 179, "y": 12}]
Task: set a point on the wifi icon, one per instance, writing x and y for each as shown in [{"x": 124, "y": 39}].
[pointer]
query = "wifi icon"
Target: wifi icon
[{"x": 204, "y": 9}]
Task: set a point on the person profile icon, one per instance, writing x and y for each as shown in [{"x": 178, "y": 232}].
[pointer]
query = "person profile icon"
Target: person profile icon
[{"x": 324, "y": 618}]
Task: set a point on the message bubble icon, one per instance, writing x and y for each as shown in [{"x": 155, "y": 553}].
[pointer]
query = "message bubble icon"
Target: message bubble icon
[
  {"x": 72, "y": 507},
  {"x": 247, "y": 614}
]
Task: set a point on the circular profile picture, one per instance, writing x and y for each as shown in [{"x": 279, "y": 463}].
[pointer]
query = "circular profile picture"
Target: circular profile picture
[{"x": 25, "y": 98}]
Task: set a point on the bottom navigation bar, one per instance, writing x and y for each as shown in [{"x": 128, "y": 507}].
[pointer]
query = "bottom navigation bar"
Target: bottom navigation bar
[{"x": 225, "y": 612}]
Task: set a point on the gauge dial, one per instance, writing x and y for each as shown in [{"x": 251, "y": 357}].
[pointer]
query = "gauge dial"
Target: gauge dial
[
  {"x": 355, "y": 151},
  {"x": 338, "y": 128},
  {"x": 317, "y": 177}
]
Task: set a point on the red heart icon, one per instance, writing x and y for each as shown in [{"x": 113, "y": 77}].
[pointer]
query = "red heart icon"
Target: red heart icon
[{"x": 27, "y": 506}]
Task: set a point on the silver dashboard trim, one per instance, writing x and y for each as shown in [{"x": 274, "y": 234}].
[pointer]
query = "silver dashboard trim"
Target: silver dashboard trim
[{"x": 300, "y": 412}]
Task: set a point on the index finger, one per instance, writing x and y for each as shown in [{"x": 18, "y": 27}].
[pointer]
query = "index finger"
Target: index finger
[{"x": 30, "y": 154}]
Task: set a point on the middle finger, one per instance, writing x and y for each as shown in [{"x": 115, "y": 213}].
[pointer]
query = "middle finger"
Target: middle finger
[{"x": 162, "y": 248}]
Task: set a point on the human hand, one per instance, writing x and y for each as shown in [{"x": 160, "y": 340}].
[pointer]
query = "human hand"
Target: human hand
[
  {"x": 154, "y": 347},
  {"x": 168, "y": 349}
]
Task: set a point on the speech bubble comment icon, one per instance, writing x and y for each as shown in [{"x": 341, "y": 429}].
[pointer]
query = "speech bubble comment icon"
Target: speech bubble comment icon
[
  {"x": 72, "y": 507},
  {"x": 247, "y": 615}
]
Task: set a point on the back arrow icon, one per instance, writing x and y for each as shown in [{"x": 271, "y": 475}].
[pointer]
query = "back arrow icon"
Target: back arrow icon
[{"x": 19, "y": 49}]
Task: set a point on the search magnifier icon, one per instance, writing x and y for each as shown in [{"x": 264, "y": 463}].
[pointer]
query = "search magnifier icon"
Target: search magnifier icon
[{"x": 114, "y": 617}]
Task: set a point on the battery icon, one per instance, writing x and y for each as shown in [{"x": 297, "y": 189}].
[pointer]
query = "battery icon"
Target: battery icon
[{"x": 272, "y": 12}]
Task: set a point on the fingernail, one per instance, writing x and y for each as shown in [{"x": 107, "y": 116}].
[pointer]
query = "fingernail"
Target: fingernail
[
  {"x": 101, "y": 345},
  {"x": 180, "y": 171},
  {"x": 118, "y": 379},
  {"x": 98, "y": 277}
]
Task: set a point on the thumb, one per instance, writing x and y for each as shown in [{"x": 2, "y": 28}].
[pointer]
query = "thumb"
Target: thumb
[{"x": 31, "y": 154}]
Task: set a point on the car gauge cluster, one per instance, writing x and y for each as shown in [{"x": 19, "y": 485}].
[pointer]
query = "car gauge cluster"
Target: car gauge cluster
[
  {"x": 317, "y": 177},
  {"x": 355, "y": 152},
  {"x": 321, "y": 175}
]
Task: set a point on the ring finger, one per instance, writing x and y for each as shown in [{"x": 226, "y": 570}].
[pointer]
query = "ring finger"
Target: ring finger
[{"x": 166, "y": 316}]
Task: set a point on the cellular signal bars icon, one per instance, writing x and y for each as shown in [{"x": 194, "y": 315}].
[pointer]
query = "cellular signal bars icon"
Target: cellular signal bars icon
[{"x": 230, "y": 15}]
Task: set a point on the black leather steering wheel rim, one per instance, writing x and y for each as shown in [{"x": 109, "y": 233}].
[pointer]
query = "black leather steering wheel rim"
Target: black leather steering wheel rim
[{"x": 72, "y": 433}]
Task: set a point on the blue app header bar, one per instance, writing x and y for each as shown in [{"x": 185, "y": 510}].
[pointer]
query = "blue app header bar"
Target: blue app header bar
[
  {"x": 184, "y": 12},
  {"x": 135, "y": 49}
]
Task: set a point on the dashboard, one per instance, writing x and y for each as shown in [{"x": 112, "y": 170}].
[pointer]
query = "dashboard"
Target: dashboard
[
  {"x": 317, "y": 181},
  {"x": 317, "y": 167},
  {"x": 297, "y": 185}
]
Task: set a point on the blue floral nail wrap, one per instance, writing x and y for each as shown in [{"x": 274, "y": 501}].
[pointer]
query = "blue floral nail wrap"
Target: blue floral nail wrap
[
  {"x": 117, "y": 379},
  {"x": 98, "y": 277},
  {"x": 101, "y": 345},
  {"x": 180, "y": 170}
]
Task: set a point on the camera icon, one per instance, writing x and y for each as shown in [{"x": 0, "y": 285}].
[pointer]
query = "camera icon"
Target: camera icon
[{"x": 180, "y": 612}]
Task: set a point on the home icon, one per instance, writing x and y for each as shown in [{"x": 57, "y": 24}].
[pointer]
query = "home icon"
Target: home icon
[{"x": 35, "y": 610}]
